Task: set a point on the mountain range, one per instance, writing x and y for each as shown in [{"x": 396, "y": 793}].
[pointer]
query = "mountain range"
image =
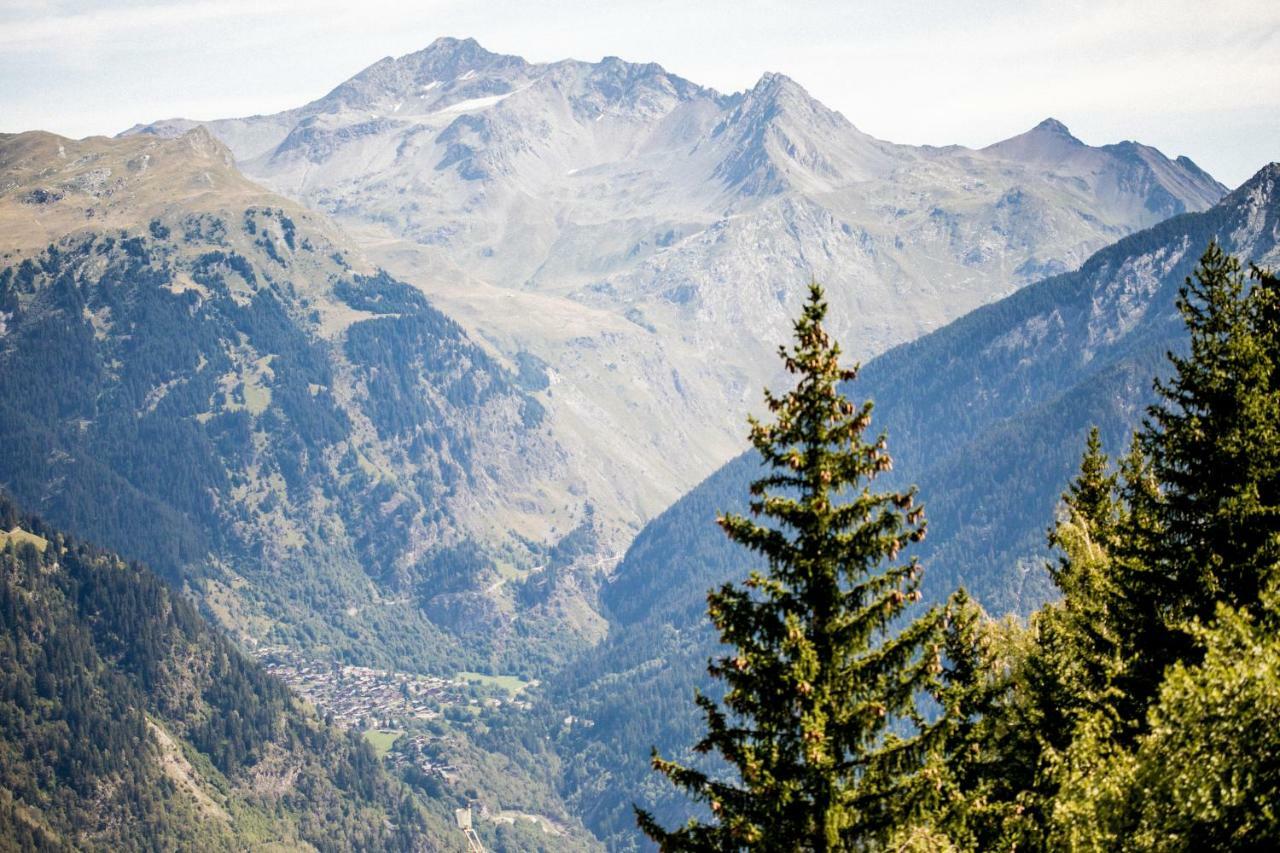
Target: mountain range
[
  {"x": 649, "y": 239},
  {"x": 587, "y": 266}
]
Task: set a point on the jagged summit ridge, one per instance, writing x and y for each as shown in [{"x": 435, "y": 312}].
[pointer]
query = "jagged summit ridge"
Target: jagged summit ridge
[
  {"x": 778, "y": 137},
  {"x": 460, "y": 64},
  {"x": 1258, "y": 200},
  {"x": 768, "y": 139},
  {"x": 1264, "y": 181},
  {"x": 450, "y": 71}
]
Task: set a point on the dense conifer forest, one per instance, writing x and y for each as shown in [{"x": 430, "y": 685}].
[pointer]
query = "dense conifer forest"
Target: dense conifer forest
[{"x": 127, "y": 723}]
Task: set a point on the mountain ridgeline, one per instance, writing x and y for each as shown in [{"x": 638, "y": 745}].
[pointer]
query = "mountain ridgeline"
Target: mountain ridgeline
[
  {"x": 1074, "y": 350},
  {"x": 128, "y": 723},
  {"x": 988, "y": 416}
]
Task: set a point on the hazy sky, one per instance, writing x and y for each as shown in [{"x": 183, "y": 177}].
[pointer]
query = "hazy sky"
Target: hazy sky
[{"x": 1194, "y": 78}]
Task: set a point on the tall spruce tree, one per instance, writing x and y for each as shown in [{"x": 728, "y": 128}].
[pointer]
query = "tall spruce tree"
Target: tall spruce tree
[
  {"x": 1057, "y": 674},
  {"x": 1077, "y": 633},
  {"x": 820, "y": 721},
  {"x": 1199, "y": 523},
  {"x": 1214, "y": 442}
]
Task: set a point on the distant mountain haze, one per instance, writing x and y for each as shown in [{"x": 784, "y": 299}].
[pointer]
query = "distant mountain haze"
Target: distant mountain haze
[{"x": 616, "y": 251}]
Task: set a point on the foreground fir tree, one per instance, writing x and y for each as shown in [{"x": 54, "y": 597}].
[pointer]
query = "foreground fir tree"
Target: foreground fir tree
[
  {"x": 1196, "y": 516},
  {"x": 1214, "y": 445},
  {"x": 1060, "y": 672},
  {"x": 820, "y": 721}
]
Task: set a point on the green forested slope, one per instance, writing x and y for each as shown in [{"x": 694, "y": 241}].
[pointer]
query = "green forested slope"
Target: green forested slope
[
  {"x": 192, "y": 425},
  {"x": 128, "y": 723}
]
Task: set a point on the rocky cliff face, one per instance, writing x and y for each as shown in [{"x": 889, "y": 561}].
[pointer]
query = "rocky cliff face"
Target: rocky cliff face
[{"x": 648, "y": 239}]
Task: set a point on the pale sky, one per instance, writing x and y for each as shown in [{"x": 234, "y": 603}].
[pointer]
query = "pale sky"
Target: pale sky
[{"x": 1196, "y": 78}]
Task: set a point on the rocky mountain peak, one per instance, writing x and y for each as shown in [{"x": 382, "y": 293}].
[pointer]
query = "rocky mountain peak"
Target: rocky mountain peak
[
  {"x": 780, "y": 136},
  {"x": 1052, "y": 125},
  {"x": 1265, "y": 180},
  {"x": 616, "y": 64},
  {"x": 776, "y": 90},
  {"x": 205, "y": 144},
  {"x": 1131, "y": 176},
  {"x": 774, "y": 81},
  {"x": 1048, "y": 140},
  {"x": 1258, "y": 202},
  {"x": 1193, "y": 168},
  {"x": 451, "y": 46},
  {"x": 444, "y": 61},
  {"x": 774, "y": 99},
  {"x": 452, "y": 57}
]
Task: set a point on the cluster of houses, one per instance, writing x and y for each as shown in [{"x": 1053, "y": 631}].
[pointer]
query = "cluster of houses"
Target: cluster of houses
[
  {"x": 412, "y": 750},
  {"x": 362, "y": 697}
]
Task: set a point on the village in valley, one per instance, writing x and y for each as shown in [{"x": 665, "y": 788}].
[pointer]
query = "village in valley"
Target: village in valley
[{"x": 386, "y": 704}]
